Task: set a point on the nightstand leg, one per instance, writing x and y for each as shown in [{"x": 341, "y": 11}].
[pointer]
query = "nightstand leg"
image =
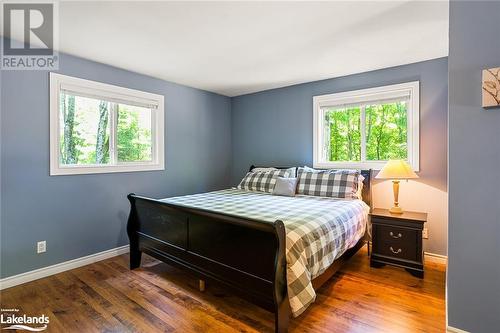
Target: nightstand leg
[
  {"x": 376, "y": 264},
  {"x": 419, "y": 274}
]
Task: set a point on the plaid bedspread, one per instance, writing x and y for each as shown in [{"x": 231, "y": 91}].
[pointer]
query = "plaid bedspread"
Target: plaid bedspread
[{"x": 318, "y": 230}]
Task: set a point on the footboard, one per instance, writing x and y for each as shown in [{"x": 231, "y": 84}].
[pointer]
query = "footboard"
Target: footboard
[{"x": 245, "y": 255}]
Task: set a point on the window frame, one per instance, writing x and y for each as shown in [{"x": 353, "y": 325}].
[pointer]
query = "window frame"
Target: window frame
[
  {"x": 363, "y": 97},
  {"x": 104, "y": 90}
]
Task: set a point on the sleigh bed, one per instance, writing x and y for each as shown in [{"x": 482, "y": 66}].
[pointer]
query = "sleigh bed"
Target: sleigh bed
[{"x": 246, "y": 255}]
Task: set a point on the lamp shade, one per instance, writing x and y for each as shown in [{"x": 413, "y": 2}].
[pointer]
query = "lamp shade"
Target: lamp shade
[{"x": 396, "y": 169}]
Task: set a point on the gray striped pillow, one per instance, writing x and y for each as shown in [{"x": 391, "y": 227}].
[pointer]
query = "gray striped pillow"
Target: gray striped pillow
[
  {"x": 264, "y": 181},
  {"x": 328, "y": 183}
]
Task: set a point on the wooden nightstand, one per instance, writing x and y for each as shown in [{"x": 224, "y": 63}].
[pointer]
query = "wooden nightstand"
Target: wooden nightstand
[{"x": 397, "y": 240}]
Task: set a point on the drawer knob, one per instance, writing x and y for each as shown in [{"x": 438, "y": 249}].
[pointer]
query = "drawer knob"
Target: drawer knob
[
  {"x": 399, "y": 235},
  {"x": 395, "y": 252}
]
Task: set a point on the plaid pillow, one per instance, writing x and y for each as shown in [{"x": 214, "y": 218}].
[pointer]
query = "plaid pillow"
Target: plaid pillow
[
  {"x": 328, "y": 183},
  {"x": 264, "y": 181}
]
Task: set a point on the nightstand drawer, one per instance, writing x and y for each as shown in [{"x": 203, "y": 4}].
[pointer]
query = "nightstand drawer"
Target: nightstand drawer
[{"x": 395, "y": 242}]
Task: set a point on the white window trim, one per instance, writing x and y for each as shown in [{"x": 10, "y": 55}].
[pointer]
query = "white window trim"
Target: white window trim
[
  {"x": 115, "y": 92},
  {"x": 411, "y": 89}
]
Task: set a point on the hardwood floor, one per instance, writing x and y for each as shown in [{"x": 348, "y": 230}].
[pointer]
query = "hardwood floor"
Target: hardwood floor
[{"x": 108, "y": 297}]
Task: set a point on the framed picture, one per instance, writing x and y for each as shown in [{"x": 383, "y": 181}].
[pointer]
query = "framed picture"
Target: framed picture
[{"x": 491, "y": 87}]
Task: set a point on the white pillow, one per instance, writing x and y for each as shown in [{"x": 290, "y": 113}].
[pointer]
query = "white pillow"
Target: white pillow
[
  {"x": 263, "y": 169},
  {"x": 285, "y": 186},
  {"x": 359, "y": 192},
  {"x": 308, "y": 169}
]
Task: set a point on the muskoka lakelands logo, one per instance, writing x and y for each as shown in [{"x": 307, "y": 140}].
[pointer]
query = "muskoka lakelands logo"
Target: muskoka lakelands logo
[
  {"x": 29, "y": 31},
  {"x": 10, "y": 319}
]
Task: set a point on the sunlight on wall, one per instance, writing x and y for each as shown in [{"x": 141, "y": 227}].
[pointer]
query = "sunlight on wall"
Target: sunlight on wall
[{"x": 417, "y": 196}]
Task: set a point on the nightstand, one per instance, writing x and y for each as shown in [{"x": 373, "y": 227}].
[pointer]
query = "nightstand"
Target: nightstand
[{"x": 397, "y": 240}]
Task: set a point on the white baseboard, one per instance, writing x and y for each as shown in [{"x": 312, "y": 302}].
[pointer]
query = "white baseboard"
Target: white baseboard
[
  {"x": 36, "y": 274},
  {"x": 450, "y": 329},
  {"x": 437, "y": 258}
]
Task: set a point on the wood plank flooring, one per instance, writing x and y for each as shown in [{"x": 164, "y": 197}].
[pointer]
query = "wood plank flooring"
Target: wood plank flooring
[{"x": 108, "y": 297}]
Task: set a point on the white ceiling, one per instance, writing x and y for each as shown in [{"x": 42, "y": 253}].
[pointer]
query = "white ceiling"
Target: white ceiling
[{"x": 235, "y": 48}]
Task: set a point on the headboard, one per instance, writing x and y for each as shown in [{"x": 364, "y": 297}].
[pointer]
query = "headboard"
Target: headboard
[{"x": 367, "y": 183}]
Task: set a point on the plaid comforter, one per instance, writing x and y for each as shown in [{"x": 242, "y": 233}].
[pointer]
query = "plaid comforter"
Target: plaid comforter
[{"x": 318, "y": 230}]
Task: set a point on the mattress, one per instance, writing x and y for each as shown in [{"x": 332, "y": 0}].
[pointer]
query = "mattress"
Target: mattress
[{"x": 318, "y": 230}]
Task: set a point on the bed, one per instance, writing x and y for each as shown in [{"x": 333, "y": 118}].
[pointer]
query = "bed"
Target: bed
[{"x": 314, "y": 235}]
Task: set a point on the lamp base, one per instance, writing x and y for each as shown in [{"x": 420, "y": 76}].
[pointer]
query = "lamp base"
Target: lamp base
[{"x": 396, "y": 210}]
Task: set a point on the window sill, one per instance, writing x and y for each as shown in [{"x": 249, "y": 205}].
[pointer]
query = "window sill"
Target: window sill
[
  {"x": 354, "y": 165},
  {"x": 84, "y": 170}
]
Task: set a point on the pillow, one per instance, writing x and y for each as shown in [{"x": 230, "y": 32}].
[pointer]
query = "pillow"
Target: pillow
[
  {"x": 293, "y": 172},
  {"x": 328, "y": 183},
  {"x": 263, "y": 181},
  {"x": 285, "y": 186},
  {"x": 308, "y": 169},
  {"x": 359, "y": 192},
  {"x": 361, "y": 178},
  {"x": 259, "y": 169},
  {"x": 263, "y": 169}
]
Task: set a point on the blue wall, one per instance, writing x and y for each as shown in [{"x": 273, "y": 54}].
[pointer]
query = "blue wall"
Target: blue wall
[
  {"x": 275, "y": 127},
  {"x": 84, "y": 214},
  {"x": 474, "y": 191}
]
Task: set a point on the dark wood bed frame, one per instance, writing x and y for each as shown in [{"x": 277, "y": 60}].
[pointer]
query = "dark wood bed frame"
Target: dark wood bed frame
[{"x": 247, "y": 256}]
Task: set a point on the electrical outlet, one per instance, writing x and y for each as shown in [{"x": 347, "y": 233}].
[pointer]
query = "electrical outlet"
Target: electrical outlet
[
  {"x": 41, "y": 247},
  {"x": 425, "y": 233}
]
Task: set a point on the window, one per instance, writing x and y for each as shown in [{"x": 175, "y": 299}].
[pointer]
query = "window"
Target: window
[
  {"x": 99, "y": 128},
  {"x": 365, "y": 128}
]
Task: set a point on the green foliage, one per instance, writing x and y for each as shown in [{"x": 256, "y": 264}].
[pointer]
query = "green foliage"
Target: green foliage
[
  {"x": 71, "y": 137},
  {"x": 85, "y": 132},
  {"x": 386, "y": 132},
  {"x": 134, "y": 142},
  {"x": 345, "y": 134},
  {"x": 102, "y": 140}
]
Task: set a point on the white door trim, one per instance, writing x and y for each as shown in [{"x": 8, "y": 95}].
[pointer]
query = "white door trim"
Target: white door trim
[{"x": 450, "y": 329}]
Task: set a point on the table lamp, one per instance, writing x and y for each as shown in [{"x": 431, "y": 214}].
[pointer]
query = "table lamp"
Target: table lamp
[{"x": 396, "y": 170}]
